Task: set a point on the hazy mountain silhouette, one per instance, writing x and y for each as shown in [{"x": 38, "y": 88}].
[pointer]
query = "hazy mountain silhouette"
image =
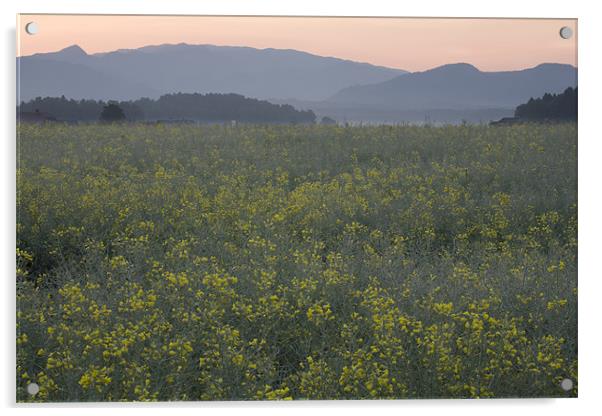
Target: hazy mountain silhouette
[
  {"x": 154, "y": 70},
  {"x": 334, "y": 87},
  {"x": 73, "y": 54},
  {"x": 52, "y": 78},
  {"x": 459, "y": 86}
]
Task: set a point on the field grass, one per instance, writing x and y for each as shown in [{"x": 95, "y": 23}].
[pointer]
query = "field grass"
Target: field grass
[{"x": 275, "y": 262}]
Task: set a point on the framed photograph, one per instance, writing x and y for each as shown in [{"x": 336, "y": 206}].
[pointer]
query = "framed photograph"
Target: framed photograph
[{"x": 238, "y": 208}]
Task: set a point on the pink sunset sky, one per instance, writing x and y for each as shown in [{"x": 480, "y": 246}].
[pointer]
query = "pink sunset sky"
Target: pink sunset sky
[{"x": 413, "y": 44}]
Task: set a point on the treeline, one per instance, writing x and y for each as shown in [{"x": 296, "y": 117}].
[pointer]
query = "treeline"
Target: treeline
[
  {"x": 550, "y": 107},
  {"x": 180, "y": 106}
]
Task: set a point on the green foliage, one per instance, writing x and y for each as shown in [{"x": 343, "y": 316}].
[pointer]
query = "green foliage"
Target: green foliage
[
  {"x": 550, "y": 107},
  {"x": 112, "y": 113},
  {"x": 274, "y": 262},
  {"x": 180, "y": 106}
]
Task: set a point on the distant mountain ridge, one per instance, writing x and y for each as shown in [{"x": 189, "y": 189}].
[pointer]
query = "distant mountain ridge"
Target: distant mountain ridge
[
  {"x": 346, "y": 90},
  {"x": 459, "y": 86},
  {"x": 154, "y": 70}
]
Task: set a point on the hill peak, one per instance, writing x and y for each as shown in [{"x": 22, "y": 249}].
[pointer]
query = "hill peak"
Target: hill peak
[
  {"x": 73, "y": 50},
  {"x": 455, "y": 67},
  {"x": 547, "y": 65}
]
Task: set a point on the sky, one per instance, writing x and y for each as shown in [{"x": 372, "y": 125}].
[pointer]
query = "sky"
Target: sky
[{"x": 412, "y": 44}]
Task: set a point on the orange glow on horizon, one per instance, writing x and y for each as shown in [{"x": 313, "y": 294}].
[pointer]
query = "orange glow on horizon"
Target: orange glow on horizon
[{"x": 413, "y": 44}]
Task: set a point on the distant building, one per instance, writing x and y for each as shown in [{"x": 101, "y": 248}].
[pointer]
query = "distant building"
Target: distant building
[{"x": 37, "y": 117}]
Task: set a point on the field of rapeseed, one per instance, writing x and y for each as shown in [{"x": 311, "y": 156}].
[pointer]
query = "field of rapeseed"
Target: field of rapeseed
[{"x": 296, "y": 262}]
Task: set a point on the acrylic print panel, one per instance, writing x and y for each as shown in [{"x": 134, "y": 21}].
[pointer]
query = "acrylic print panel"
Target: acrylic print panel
[{"x": 271, "y": 208}]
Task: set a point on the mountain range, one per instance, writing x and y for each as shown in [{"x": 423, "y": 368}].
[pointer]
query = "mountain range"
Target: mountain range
[
  {"x": 151, "y": 71},
  {"x": 460, "y": 86},
  {"x": 344, "y": 89}
]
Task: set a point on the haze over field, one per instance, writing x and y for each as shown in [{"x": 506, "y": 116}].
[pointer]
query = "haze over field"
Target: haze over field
[{"x": 343, "y": 89}]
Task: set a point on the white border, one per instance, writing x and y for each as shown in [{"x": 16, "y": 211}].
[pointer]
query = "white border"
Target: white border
[{"x": 590, "y": 232}]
